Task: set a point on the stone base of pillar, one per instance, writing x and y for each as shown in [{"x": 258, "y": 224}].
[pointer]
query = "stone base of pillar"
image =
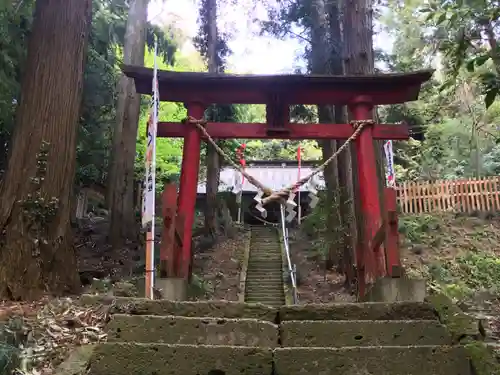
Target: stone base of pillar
[
  {"x": 172, "y": 289},
  {"x": 399, "y": 289}
]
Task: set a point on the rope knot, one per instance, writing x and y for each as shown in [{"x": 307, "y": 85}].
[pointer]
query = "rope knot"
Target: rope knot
[
  {"x": 193, "y": 121},
  {"x": 356, "y": 124},
  {"x": 267, "y": 191}
]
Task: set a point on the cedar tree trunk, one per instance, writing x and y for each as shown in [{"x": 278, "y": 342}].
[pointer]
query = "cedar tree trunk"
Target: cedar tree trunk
[{"x": 36, "y": 243}]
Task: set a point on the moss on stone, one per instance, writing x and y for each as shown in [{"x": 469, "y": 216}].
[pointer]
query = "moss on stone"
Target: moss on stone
[
  {"x": 461, "y": 326},
  {"x": 359, "y": 311},
  {"x": 467, "y": 331},
  {"x": 346, "y": 333},
  {"x": 482, "y": 358},
  {"x": 77, "y": 361},
  {"x": 413, "y": 360},
  {"x": 163, "y": 359},
  {"x": 215, "y": 309},
  {"x": 192, "y": 331}
]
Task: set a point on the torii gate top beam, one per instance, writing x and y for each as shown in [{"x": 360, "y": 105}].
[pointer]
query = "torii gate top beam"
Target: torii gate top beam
[{"x": 289, "y": 89}]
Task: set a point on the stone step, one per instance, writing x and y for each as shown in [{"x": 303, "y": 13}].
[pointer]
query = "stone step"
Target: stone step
[
  {"x": 265, "y": 271},
  {"x": 399, "y": 360},
  {"x": 266, "y": 244},
  {"x": 263, "y": 249},
  {"x": 277, "y": 272},
  {"x": 360, "y": 311},
  {"x": 264, "y": 292},
  {"x": 192, "y": 331},
  {"x": 261, "y": 281},
  {"x": 215, "y": 309},
  {"x": 340, "y": 333},
  {"x": 274, "y": 302},
  {"x": 167, "y": 359},
  {"x": 266, "y": 256},
  {"x": 256, "y": 265},
  {"x": 268, "y": 287},
  {"x": 264, "y": 279}
]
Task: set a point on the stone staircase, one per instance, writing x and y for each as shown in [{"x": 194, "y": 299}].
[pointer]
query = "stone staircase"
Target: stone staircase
[
  {"x": 264, "y": 278},
  {"x": 223, "y": 338}
]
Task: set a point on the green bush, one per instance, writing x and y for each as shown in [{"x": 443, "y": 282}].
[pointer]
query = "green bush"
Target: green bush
[
  {"x": 460, "y": 278},
  {"x": 416, "y": 227}
]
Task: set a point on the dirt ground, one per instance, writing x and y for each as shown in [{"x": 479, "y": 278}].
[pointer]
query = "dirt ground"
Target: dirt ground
[
  {"x": 314, "y": 284},
  {"x": 219, "y": 268}
]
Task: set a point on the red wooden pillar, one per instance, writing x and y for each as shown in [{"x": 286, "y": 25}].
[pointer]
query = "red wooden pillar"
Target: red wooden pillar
[
  {"x": 188, "y": 185},
  {"x": 392, "y": 234},
  {"x": 370, "y": 262}
]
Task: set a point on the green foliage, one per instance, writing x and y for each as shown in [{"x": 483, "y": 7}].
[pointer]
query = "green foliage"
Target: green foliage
[
  {"x": 15, "y": 23},
  {"x": 38, "y": 210},
  {"x": 464, "y": 27},
  {"x": 101, "y": 75},
  {"x": 315, "y": 225},
  {"x": 460, "y": 278},
  {"x": 12, "y": 339},
  {"x": 416, "y": 228},
  {"x": 454, "y": 135}
]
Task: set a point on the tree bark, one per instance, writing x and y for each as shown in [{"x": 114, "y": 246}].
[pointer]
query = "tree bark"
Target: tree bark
[
  {"x": 346, "y": 192},
  {"x": 120, "y": 186},
  {"x": 36, "y": 242},
  {"x": 321, "y": 64},
  {"x": 212, "y": 158},
  {"x": 357, "y": 28}
]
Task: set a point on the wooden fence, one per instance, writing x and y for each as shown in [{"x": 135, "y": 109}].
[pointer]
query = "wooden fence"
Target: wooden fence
[{"x": 450, "y": 195}]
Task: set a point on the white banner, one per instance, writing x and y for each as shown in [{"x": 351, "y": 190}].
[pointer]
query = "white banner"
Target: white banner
[
  {"x": 148, "y": 202},
  {"x": 389, "y": 157}
]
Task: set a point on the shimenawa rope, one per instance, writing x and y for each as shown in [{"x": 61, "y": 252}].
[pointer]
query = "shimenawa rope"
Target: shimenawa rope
[{"x": 358, "y": 126}]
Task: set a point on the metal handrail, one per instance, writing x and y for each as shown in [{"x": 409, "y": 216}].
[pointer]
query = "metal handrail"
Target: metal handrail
[{"x": 292, "y": 269}]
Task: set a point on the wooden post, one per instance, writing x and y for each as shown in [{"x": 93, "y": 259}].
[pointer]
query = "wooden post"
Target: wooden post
[
  {"x": 371, "y": 264},
  {"x": 392, "y": 234},
  {"x": 168, "y": 258},
  {"x": 189, "y": 183}
]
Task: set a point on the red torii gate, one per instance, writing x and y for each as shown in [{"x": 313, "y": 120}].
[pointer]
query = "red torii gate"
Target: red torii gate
[{"x": 360, "y": 93}]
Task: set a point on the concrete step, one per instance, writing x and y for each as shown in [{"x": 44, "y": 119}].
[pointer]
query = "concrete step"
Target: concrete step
[
  {"x": 360, "y": 311},
  {"x": 340, "y": 333},
  {"x": 215, "y": 309},
  {"x": 192, "y": 331},
  {"x": 399, "y": 360},
  {"x": 166, "y": 359}
]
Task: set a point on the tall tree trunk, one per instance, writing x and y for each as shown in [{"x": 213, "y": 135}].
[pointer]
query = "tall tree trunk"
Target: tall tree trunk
[
  {"x": 320, "y": 64},
  {"x": 357, "y": 27},
  {"x": 212, "y": 158},
  {"x": 120, "y": 185},
  {"x": 36, "y": 242},
  {"x": 346, "y": 192}
]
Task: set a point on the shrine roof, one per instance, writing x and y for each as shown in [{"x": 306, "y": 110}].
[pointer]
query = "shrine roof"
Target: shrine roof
[{"x": 390, "y": 88}]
